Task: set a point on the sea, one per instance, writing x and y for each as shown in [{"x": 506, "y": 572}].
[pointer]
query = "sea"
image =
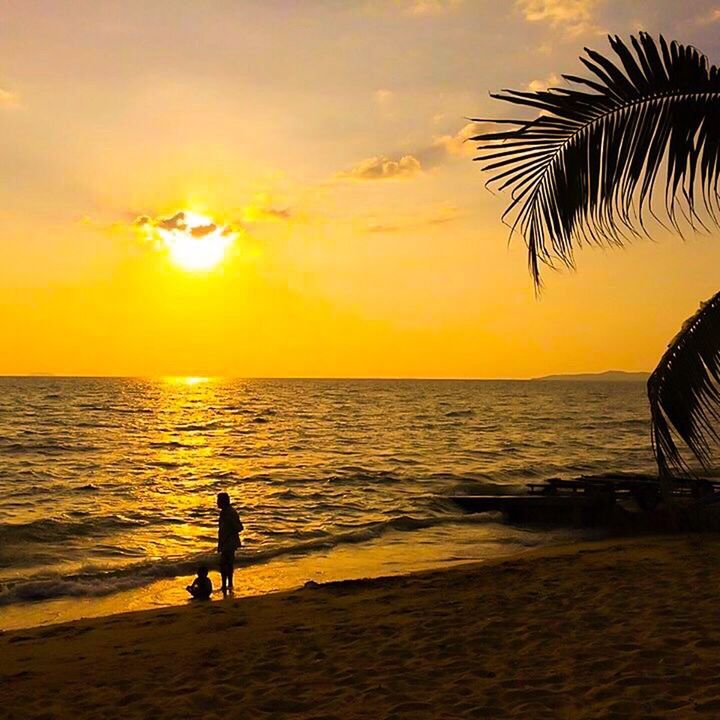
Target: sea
[{"x": 108, "y": 485}]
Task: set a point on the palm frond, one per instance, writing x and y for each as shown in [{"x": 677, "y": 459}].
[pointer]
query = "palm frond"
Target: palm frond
[
  {"x": 585, "y": 169},
  {"x": 684, "y": 393}
]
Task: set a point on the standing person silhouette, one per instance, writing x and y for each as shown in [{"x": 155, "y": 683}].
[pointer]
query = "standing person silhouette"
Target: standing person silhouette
[{"x": 229, "y": 528}]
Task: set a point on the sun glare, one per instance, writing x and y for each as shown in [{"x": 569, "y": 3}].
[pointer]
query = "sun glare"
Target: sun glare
[
  {"x": 186, "y": 380},
  {"x": 195, "y": 242}
]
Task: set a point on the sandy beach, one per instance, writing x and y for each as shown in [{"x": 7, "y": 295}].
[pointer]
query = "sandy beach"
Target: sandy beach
[{"x": 615, "y": 628}]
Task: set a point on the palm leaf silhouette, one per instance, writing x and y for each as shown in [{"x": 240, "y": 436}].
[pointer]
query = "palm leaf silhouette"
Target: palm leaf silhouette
[
  {"x": 584, "y": 170},
  {"x": 588, "y": 169},
  {"x": 684, "y": 392}
]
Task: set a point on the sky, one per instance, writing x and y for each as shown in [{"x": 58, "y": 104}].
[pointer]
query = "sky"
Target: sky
[{"x": 324, "y": 140}]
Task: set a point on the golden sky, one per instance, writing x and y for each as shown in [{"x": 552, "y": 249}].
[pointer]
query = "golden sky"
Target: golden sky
[{"x": 324, "y": 138}]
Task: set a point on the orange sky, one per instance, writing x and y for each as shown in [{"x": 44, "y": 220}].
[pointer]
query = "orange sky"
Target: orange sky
[{"x": 328, "y": 136}]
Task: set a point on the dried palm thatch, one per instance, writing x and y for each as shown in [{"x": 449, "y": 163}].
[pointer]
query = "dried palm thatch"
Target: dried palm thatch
[{"x": 588, "y": 169}]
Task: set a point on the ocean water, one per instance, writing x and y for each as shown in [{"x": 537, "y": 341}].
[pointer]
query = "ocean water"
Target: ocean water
[{"x": 109, "y": 484}]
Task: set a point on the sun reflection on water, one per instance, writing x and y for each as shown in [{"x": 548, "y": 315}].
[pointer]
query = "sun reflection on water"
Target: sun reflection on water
[{"x": 187, "y": 379}]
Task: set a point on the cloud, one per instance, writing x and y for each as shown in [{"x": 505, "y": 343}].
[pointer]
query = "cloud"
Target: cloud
[
  {"x": 383, "y": 97},
  {"x": 442, "y": 149},
  {"x": 262, "y": 208},
  {"x": 416, "y": 8},
  {"x": 203, "y": 230},
  {"x": 258, "y": 211},
  {"x": 448, "y": 215},
  {"x": 431, "y": 7},
  {"x": 448, "y": 147},
  {"x": 180, "y": 221},
  {"x": 175, "y": 222},
  {"x": 551, "y": 80},
  {"x": 383, "y": 228},
  {"x": 709, "y": 18},
  {"x": 383, "y": 168},
  {"x": 259, "y": 214},
  {"x": 384, "y": 101},
  {"x": 575, "y": 17},
  {"x": 440, "y": 216},
  {"x": 8, "y": 98},
  {"x": 458, "y": 144}
]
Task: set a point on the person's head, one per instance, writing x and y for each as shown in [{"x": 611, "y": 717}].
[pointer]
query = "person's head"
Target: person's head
[
  {"x": 202, "y": 571},
  {"x": 223, "y": 500}
]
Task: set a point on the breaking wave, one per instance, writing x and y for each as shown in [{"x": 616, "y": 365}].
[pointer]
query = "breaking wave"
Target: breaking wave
[{"x": 97, "y": 581}]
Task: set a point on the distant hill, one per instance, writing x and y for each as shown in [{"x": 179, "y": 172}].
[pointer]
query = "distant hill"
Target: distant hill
[{"x": 608, "y": 376}]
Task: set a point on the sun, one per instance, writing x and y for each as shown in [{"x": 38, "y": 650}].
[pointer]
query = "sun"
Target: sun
[{"x": 194, "y": 242}]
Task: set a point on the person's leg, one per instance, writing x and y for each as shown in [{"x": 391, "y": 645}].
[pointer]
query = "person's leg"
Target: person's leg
[
  {"x": 223, "y": 571},
  {"x": 230, "y": 568}
]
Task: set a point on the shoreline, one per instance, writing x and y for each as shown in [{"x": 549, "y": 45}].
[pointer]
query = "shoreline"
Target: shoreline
[
  {"x": 398, "y": 553},
  {"x": 614, "y": 627}
]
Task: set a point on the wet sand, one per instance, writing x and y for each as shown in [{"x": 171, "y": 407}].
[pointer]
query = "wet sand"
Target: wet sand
[{"x": 613, "y": 629}]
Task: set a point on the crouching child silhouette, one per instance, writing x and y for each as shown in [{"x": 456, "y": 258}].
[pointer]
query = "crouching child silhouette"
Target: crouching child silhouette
[
  {"x": 229, "y": 528},
  {"x": 201, "y": 588}
]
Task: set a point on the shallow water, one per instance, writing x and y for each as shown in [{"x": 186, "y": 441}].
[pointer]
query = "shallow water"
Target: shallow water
[{"x": 109, "y": 484}]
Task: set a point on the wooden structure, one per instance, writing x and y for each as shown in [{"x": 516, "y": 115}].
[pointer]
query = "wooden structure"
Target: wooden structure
[{"x": 586, "y": 501}]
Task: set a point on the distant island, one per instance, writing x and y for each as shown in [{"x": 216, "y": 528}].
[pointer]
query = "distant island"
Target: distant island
[{"x": 608, "y": 376}]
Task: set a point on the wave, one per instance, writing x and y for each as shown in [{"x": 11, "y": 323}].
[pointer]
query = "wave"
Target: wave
[
  {"x": 222, "y": 475},
  {"x": 21, "y": 448},
  {"x": 120, "y": 409},
  {"x": 54, "y": 531},
  {"x": 351, "y": 475},
  {"x": 476, "y": 487},
  {"x": 165, "y": 464},
  {"x": 210, "y": 425},
  {"x": 170, "y": 444},
  {"x": 88, "y": 487},
  {"x": 98, "y": 581}
]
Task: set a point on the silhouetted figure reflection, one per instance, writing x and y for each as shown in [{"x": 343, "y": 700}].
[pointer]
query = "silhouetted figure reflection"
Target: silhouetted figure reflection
[
  {"x": 229, "y": 528},
  {"x": 201, "y": 588}
]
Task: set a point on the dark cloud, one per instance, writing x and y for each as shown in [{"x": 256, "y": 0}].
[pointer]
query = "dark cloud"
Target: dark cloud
[
  {"x": 280, "y": 214},
  {"x": 203, "y": 230},
  {"x": 179, "y": 221},
  {"x": 176, "y": 222}
]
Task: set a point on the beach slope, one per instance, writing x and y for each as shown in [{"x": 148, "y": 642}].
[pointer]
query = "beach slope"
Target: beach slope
[{"x": 623, "y": 629}]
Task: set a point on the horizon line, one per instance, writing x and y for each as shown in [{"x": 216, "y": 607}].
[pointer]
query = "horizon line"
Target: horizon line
[{"x": 167, "y": 376}]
